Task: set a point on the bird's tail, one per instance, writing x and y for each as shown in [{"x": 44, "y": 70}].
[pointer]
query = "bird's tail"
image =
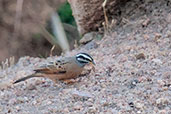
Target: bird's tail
[{"x": 25, "y": 78}]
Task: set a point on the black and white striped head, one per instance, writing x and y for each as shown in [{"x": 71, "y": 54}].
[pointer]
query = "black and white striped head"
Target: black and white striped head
[{"x": 84, "y": 58}]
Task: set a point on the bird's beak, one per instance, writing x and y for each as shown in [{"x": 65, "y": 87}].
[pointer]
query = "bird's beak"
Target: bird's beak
[{"x": 93, "y": 63}]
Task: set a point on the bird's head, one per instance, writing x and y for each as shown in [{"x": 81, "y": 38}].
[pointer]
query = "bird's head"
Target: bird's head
[{"x": 84, "y": 58}]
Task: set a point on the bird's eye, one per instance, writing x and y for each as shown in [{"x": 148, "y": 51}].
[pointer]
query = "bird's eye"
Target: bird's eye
[{"x": 56, "y": 63}]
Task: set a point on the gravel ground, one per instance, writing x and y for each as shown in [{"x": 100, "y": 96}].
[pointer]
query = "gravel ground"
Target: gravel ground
[{"x": 133, "y": 71}]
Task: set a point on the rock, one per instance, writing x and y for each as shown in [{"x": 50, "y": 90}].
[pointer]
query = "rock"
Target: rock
[
  {"x": 162, "y": 101},
  {"x": 157, "y": 36},
  {"x": 140, "y": 56},
  {"x": 139, "y": 112},
  {"x": 131, "y": 104},
  {"x": 139, "y": 105},
  {"x": 66, "y": 110},
  {"x": 88, "y": 37},
  {"x": 12, "y": 101},
  {"x": 132, "y": 84},
  {"x": 77, "y": 107},
  {"x": 157, "y": 61},
  {"x": 21, "y": 100},
  {"x": 92, "y": 110},
  {"x": 146, "y": 22},
  {"x": 17, "y": 107},
  {"x": 160, "y": 82},
  {"x": 34, "y": 102},
  {"x": 89, "y": 14}
]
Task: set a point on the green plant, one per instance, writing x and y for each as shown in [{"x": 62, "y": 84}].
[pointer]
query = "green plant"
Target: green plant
[{"x": 65, "y": 14}]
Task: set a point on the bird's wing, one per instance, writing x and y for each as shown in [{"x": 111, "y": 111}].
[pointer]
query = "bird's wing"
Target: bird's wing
[{"x": 56, "y": 67}]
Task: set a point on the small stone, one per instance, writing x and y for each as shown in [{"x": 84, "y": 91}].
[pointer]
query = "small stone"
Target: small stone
[
  {"x": 92, "y": 110},
  {"x": 2, "y": 93},
  {"x": 12, "y": 101},
  {"x": 131, "y": 104},
  {"x": 168, "y": 34},
  {"x": 133, "y": 84},
  {"x": 90, "y": 100},
  {"x": 146, "y": 22},
  {"x": 162, "y": 112},
  {"x": 77, "y": 107},
  {"x": 139, "y": 105},
  {"x": 66, "y": 110},
  {"x": 157, "y": 36},
  {"x": 140, "y": 56},
  {"x": 138, "y": 112},
  {"x": 34, "y": 102},
  {"x": 162, "y": 101},
  {"x": 89, "y": 104},
  {"x": 158, "y": 61},
  {"x": 161, "y": 82},
  {"x": 17, "y": 107},
  {"x": 106, "y": 104},
  {"x": 9, "y": 111},
  {"x": 88, "y": 37},
  {"x": 165, "y": 88},
  {"x": 168, "y": 17}
]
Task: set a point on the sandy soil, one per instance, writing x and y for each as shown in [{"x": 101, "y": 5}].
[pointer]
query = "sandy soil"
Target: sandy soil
[{"x": 133, "y": 71}]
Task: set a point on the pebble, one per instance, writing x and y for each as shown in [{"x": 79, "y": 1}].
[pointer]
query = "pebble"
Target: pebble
[
  {"x": 162, "y": 101},
  {"x": 12, "y": 101},
  {"x": 17, "y": 107},
  {"x": 92, "y": 110},
  {"x": 66, "y": 110},
  {"x": 49, "y": 102},
  {"x": 139, "y": 105},
  {"x": 139, "y": 112},
  {"x": 140, "y": 56},
  {"x": 88, "y": 37},
  {"x": 157, "y": 61},
  {"x": 77, "y": 107},
  {"x": 34, "y": 102}
]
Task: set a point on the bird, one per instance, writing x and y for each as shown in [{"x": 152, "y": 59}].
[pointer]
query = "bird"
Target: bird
[{"x": 62, "y": 69}]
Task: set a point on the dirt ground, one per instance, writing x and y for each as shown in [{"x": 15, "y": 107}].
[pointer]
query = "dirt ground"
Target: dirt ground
[{"x": 133, "y": 71}]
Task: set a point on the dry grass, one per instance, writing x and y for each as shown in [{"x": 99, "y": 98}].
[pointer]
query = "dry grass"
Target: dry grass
[{"x": 7, "y": 63}]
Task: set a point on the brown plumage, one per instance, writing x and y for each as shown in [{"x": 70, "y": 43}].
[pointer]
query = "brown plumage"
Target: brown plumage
[{"x": 63, "y": 69}]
